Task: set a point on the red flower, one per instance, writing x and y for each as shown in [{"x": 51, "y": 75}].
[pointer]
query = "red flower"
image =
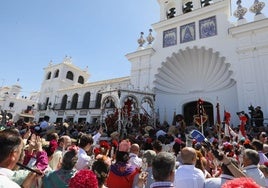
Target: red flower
[
  {"x": 97, "y": 151},
  {"x": 242, "y": 182},
  {"x": 115, "y": 143},
  {"x": 104, "y": 144},
  {"x": 84, "y": 179}
]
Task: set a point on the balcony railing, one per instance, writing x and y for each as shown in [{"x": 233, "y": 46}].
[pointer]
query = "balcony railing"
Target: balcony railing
[{"x": 68, "y": 106}]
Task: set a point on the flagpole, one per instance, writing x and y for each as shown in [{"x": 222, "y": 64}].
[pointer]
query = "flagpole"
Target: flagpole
[
  {"x": 219, "y": 121},
  {"x": 201, "y": 122},
  {"x": 200, "y": 112}
]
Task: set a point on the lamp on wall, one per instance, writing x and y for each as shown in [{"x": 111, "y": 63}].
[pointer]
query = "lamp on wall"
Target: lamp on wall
[{"x": 11, "y": 105}]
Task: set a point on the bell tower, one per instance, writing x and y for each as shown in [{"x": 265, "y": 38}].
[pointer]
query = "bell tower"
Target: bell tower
[
  {"x": 169, "y": 8},
  {"x": 172, "y": 8}
]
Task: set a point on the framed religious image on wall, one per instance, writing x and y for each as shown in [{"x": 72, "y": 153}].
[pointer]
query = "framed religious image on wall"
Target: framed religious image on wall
[
  {"x": 208, "y": 27},
  {"x": 170, "y": 37},
  {"x": 187, "y": 32}
]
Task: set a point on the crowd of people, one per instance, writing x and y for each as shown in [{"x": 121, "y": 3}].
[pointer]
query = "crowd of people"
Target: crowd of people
[{"x": 154, "y": 157}]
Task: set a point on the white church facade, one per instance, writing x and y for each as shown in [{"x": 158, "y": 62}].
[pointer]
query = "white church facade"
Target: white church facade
[
  {"x": 66, "y": 96},
  {"x": 196, "y": 53},
  {"x": 199, "y": 53}
]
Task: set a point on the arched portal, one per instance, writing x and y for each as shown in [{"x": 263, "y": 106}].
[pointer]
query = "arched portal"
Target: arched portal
[{"x": 190, "y": 109}]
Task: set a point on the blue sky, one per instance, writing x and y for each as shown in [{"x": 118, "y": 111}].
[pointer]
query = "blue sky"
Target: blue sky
[{"x": 97, "y": 34}]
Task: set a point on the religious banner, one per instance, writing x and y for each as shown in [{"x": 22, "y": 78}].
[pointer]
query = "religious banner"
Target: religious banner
[{"x": 201, "y": 117}]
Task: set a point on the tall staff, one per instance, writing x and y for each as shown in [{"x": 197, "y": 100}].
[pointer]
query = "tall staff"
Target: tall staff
[
  {"x": 200, "y": 112},
  {"x": 201, "y": 116},
  {"x": 218, "y": 121}
]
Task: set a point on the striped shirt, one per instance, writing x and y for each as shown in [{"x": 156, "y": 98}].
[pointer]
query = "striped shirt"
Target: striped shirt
[{"x": 161, "y": 184}]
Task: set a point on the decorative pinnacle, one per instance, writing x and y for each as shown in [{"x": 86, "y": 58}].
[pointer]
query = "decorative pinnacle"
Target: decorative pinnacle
[
  {"x": 150, "y": 37},
  {"x": 141, "y": 40},
  {"x": 257, "y": 7},
  {"x": 240, "y": 11}
]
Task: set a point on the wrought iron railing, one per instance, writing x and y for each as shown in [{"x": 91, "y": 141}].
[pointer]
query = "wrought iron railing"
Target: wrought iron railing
[{"x": 68, "y": 106}]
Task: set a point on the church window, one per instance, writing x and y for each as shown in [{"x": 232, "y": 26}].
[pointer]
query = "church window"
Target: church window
[
  {"x": 48, "y": 75},
  {"x": 80, "y": 80},
  {"x": 98, "y": 100},
  {"x": 74, "y": 101},
  {"x": 70, "y": 75},
  {"x": 64, "y": 102},
  {"x": 86, "y": 100},
  {"x": 56, "y": 74}
]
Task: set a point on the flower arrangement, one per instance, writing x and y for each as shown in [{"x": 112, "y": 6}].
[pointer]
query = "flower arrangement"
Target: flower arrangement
[
  {"x": 243, "y": 182},
  {"x": 84, "y": 178},
  {"x": 103, "y": 148},
  {"x": 104, "y": 144},
  {"x": 97, "y": 151},
  {"x": 228, "y": 149},
  {"x": 115, "y": 143}
]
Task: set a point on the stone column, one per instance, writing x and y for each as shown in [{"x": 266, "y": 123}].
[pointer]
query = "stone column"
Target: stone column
[
  {"x": 179, "y": 7},
  {"x": 196, "y": 4}
]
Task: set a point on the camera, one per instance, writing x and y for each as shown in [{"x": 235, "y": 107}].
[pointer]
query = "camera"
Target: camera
[
  {"x": 251, "y": 108},
  {"x": 241, "y": 112}
]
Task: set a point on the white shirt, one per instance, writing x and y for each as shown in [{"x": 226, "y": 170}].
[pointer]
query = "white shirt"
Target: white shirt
[
  {"x": 255, "y": 173},
  {"x": 266, "y": 180},
  {"x": 135, "y": 160},
  {"x": 83, "y": 160},
  {"x": 217, "y": 182},
  {"x": 189, "y": 176},
  {"x": 168, "y": 147},
  {"x": 5, "y": 181},
  {"x": 263, "y": 158},
  {"x": 56, "y": 159},
  {"x": 96, "y": 138}
]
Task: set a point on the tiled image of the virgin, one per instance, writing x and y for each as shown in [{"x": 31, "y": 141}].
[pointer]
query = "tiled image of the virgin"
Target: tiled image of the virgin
[
  {"x": 208, "y": 27},
  {"x": 170, "y": 37},
  {"x": 187, "y": 32}
]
